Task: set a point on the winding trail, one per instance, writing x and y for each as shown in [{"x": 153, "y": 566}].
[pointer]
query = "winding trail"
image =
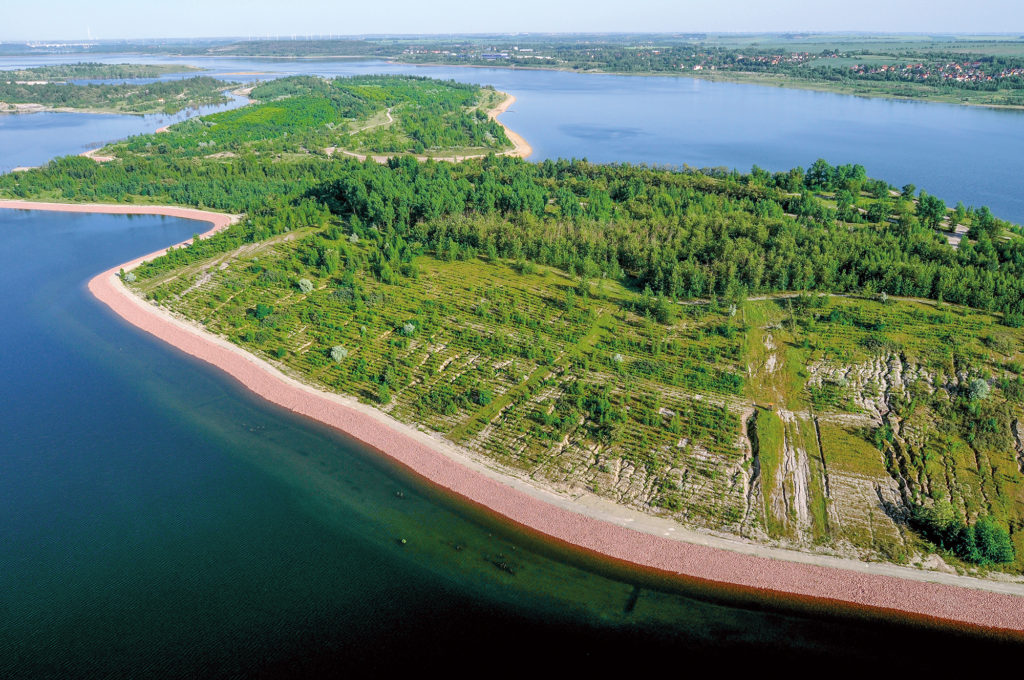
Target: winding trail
[
  {"x": 520, "y": 147},
  {"x": 586, "y": 523}
]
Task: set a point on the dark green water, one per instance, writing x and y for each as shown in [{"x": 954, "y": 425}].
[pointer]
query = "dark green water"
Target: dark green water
[{"x": 157, "y": 521}]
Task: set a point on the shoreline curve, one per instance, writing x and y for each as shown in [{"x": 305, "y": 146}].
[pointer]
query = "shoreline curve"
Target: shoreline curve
[{"x": 844, "y": 589}]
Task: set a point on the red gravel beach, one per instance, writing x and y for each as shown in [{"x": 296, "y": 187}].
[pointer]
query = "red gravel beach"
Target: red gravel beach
[{"x": 747, "y": 573}]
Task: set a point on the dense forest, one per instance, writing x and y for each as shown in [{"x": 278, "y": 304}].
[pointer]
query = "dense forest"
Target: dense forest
[{"x": 682, "y": 234}]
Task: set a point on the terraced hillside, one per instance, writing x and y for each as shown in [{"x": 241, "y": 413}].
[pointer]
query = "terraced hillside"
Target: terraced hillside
[
  {"x": 792, "y": 419},
  {"x": 849, "y": 423}
]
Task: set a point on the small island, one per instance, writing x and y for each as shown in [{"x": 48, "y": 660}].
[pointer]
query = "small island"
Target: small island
[
  {"x": 93, "y": 71},
  {"x": 47, "y": 88}
]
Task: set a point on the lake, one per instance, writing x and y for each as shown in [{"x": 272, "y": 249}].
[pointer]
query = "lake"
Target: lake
[
  {"x": 959, "y": 153},
  {"x": 159, "y": 521}
]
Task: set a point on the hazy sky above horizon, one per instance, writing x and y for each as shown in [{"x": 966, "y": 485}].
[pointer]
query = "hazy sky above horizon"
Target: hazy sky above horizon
[{"x": 103, "y": 19}]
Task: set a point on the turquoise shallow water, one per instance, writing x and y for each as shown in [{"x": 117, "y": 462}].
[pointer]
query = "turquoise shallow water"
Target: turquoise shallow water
[{"x": 158, "y": 521}]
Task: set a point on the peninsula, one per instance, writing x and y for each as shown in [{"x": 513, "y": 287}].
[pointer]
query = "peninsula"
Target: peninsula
[{"x": 809, "y": 365}]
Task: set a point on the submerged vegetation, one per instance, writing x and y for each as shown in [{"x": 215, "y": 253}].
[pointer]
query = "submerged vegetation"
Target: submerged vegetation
[{"x": 800, "y": 357}]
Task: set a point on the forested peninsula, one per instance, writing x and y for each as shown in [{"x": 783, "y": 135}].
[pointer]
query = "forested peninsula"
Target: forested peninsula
[{"x": 812, "y": 358}]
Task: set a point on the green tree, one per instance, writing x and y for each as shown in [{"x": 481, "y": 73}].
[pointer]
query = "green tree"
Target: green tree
[{"x": 931, "y": 210}]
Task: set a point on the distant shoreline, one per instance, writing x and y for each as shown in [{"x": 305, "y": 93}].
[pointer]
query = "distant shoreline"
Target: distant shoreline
[
  {"x": 594, "y": 526},
  {"x": 735, "y": 77}
]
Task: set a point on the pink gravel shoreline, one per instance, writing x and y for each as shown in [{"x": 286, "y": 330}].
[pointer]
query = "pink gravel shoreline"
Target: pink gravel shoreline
[{"x": 823, "y": 587}]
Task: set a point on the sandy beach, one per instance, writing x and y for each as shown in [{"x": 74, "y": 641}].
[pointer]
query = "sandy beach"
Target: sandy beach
[
  {"x": 589, "y": 524},
  {"x": 95, "y": 155},
  {"x": 521, "y": 148}
]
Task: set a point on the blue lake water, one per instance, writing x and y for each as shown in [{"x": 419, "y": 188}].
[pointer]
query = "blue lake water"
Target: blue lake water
[{"x": 158, "y": 521}]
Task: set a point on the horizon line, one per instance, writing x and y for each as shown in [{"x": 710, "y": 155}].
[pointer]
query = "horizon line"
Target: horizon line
[{"x": 335, "y": 37}]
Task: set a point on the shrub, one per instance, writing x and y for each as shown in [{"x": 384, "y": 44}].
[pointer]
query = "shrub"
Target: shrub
[
  {"x": 978, "y": 389},
  {"x": 338, "y": 353},
  {"x": 305, "y": 285},
  {"x": 992, "y": 542},
  {"x": 481, "y": 397}
]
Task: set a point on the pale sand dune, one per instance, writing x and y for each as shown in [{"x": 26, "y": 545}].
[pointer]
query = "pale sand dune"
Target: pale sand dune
[{"x": 587, "y": 523}]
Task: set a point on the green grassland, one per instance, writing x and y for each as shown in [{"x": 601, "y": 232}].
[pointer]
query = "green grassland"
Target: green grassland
[
  {"x": 570, "y": 385},
  {"x": 511, "y": 363}
]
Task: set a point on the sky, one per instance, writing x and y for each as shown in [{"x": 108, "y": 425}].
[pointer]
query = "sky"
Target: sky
[{"x": 109, "y": 19}]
